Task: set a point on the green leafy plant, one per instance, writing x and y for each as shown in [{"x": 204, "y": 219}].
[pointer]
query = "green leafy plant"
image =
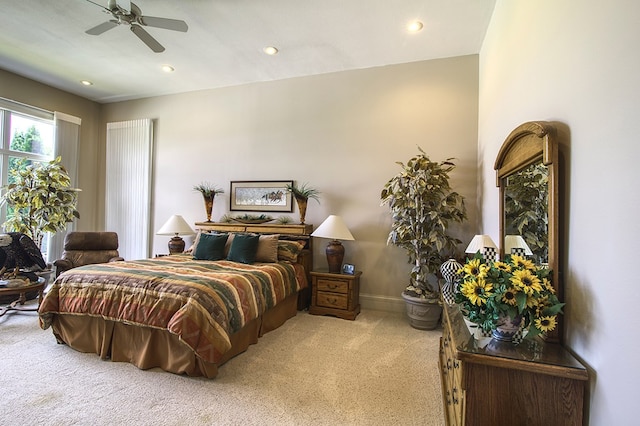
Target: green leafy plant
[
  {"x": 303, "y": 192},
  {"x": 207, "y": 189},
  {"x": 526, "y": 204},
  {"x": 513, "y": 288},
  {"x": 423, "y": 205},
  {"x": 39, "y": 199},
  {"x": 283, "y": 220}
]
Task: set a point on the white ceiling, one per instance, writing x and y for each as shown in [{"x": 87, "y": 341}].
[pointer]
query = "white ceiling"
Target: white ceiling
[{"x": 46, "y": 41}]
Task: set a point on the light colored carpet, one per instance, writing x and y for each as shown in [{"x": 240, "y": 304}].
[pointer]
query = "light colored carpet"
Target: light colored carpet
[{"x": 313, "y": 370}]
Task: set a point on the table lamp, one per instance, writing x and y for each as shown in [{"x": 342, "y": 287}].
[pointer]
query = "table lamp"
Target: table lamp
[
  {"x": 515, "y": 244},
  {"x": 335, "y": 229},
  {"x": 483, "y": 244},
  {"x": 176, "y": 226}
]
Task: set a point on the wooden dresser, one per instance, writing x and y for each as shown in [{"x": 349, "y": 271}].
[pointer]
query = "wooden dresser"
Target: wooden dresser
[
  {"x": 486, "y": 382},
  {"x": 290, "y": 231}
]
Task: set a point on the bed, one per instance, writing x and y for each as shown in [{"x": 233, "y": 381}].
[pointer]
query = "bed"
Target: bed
[{"x": 182, "y": 313}]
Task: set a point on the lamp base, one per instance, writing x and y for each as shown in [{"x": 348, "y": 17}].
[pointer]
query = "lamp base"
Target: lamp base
[
  {"x": 335, "y": 256},
  {"x": 176, "y": 245}
]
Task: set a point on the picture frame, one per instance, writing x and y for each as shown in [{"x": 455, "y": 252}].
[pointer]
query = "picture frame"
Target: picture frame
[
  {"x": 261, "y": 196},
  {"x": 348, "y": 269}
]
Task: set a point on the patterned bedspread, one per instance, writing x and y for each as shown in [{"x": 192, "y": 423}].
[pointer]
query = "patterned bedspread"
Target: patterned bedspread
[{"x": 202, "y": 302}]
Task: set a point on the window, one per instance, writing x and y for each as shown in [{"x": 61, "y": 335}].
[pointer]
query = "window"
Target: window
[{"x": 26, "y": 134}]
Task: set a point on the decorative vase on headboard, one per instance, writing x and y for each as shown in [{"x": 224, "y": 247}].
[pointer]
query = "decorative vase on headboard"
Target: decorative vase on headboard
[
  {"x": 208, "y": 204},
  {"x": 302, "y": 207},
  {"x": 449, "y": 271}
]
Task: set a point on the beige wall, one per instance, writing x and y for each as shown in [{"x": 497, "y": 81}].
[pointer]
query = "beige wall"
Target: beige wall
[
  {"x": 342, "y": 133},
  {"x": 39, "y": 95},
  {"x": 576, "y": 62}
]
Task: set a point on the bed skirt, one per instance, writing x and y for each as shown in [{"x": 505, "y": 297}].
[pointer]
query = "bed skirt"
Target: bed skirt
[{"x": 147, "y": 347}]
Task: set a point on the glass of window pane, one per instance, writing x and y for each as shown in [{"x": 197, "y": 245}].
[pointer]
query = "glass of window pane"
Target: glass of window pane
[{"x": 31, "y": 135}]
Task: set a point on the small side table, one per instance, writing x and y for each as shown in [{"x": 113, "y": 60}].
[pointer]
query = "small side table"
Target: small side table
[
  {"x": 335, "y": 294},
  {"x": 21, "y": 291}
]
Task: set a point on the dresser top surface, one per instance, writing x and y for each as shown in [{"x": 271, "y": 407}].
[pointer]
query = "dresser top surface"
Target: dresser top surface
[{"x": 471, "y": 346}]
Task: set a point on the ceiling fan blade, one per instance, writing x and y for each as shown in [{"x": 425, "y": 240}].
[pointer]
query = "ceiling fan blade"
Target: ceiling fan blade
[
  {"x": 165, "y": 23},
  {"x": 146, "y": 38},
  {"x": 99, "y": 29}
]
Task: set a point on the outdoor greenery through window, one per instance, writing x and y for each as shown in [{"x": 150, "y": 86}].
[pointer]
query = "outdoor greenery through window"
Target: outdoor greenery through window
[{"x": 25, "y": 140}]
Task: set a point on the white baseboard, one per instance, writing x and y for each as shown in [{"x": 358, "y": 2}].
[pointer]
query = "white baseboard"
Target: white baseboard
[{"x": 382, "y": 303}]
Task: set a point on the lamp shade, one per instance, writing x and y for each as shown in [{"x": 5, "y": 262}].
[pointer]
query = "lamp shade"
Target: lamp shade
[
  {"x": 334, "y": 228},
  {"x": 479, "y": 243},
  {"x": 515, "y": 244},
  {"x": 176, "y": 225}
]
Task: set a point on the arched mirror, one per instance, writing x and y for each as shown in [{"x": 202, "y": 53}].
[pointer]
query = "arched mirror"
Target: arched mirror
[{"x": 527, "y": 175}]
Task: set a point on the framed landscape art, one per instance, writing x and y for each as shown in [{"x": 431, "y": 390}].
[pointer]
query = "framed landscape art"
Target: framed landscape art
[{"x": 261, "y": 196}]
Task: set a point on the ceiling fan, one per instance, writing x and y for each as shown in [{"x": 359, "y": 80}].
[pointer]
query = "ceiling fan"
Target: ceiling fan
[{"x": 133, "y": 17}]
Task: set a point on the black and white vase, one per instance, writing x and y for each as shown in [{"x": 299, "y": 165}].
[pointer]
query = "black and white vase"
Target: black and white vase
[{"x": 449, "y": 271}]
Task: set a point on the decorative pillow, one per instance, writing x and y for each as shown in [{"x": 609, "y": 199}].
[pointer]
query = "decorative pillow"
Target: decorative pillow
[
  {"x": 289, "y": 250},
  {"x": 210, "y": 247},
  {"x": 243, "y": 248},
  {"x": 267, "y": 249}
]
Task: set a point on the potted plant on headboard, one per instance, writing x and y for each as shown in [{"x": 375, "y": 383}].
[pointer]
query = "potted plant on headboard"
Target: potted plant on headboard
[
  {"x": 208, "y": 192},
  {"x": 422, "y": 206},
  {"x": 302, "y": 194}
]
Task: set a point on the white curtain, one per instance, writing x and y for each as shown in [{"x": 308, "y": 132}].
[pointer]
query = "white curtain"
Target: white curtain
[
  {"x": 128, "y": 185},
  {"x": 67, "y": 136}
]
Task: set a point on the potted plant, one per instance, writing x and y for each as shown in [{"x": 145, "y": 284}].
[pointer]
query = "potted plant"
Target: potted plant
[
  {"x": 302, "y": 194},
  {"x": 208, "y": 192},
  {"x": 503, "y": 298},
  {"x": 423, "y": 205},
  {"x": 40, "y": 199}
]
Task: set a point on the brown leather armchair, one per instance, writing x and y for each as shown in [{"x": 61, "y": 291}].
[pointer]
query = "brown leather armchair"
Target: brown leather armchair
[{"x": 85, "y": 248}]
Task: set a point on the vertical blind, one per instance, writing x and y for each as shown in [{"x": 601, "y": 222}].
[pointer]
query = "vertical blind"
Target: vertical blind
[
  {"x": 128, "y": 185},
  {"x": 67, "y": 135}
]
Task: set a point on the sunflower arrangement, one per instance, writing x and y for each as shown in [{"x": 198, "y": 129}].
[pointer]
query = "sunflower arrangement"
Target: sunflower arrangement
[{"x": 514, "y": 287}]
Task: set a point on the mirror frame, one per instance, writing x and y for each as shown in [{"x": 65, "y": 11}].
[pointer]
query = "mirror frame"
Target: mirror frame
[{"x": 527, "y": 144}]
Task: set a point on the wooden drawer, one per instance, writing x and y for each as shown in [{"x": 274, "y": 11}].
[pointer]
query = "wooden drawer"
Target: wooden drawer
[
  {"x": 332, "y": 300},
  {"x": 333, "y": 285}
]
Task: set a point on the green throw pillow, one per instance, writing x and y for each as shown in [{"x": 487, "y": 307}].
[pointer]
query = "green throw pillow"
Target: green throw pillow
[
  {"x": 243, "y": 248},
  {"x": 210, "y": 247}
]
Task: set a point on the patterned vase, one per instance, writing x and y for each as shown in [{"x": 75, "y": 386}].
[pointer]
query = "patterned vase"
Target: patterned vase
[
  {"x": 449, "y": 271},
  {"x": 507, "y": 328}
]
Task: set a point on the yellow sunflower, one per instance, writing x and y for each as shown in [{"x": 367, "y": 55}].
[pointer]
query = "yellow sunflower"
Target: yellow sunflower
[
  {"x": 477, "y": 291},
  {"x": 546, "y": 323},
  {"x": 547, "y": 285},
  {"x": 524, "y": 279},
  {"x": 502, "y": 266},
  {"x": 509, "y": 296},
  {"x": 521, "y": 262},
  {"x": 475, "y": 268}
]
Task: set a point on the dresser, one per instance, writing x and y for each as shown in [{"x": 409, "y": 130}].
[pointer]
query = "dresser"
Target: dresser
[
  {"x": 335, "y": 294},
  {"x": 487, "y": 382}
]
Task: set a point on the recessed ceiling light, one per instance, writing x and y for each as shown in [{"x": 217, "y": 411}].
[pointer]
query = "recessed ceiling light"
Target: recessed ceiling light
[
  {"x": 270, "y": 50},
  {"x": 86, "y": 83},
  {"x": 168, "y": 68},
  {"x": 415, "y": 26}
]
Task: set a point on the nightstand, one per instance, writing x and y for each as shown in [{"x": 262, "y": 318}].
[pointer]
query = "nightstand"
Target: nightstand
[{"x": 335, "y": 294}]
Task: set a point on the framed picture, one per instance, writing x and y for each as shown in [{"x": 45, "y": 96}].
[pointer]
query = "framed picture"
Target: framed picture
[
  {"x": 348, "y": 268},
  {"x": 261, "y": 196}
]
